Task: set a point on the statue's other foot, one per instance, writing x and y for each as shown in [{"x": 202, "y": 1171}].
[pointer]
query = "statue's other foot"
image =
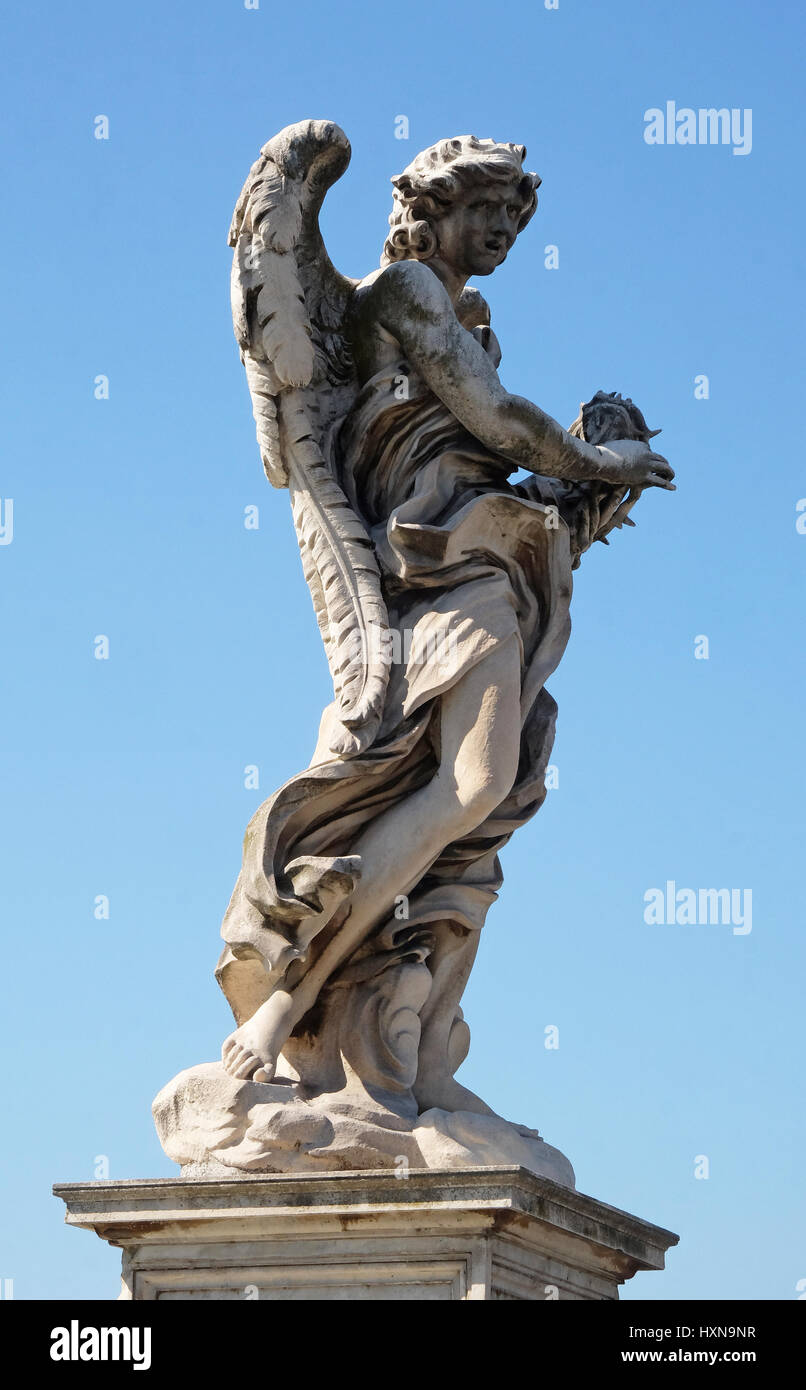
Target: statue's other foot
[
  {"x": 251, "y": 1051},
  {"x": 445, "y": 1093}
]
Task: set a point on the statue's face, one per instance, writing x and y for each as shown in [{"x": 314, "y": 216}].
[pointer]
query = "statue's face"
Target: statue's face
[{"x": 475, "y": 236}]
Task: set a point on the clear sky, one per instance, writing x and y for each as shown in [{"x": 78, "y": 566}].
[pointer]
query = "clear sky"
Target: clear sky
[{"x": 125, "y": 777}]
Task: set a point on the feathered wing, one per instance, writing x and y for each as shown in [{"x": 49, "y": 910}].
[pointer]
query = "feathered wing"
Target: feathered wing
[{"x": 288, "y": 308}]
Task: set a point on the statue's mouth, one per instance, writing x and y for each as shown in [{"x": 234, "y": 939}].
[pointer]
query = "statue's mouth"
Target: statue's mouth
[{"x": 496, "y": 250}]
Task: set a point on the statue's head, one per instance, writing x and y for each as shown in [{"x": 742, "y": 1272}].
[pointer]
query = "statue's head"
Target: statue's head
[{"x": 464, "y": 200}]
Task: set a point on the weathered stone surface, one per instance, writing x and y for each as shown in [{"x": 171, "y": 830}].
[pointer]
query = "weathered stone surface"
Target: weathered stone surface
[
  {"x": 442, "y": 594},
  {"x": 211, "y": 1124},
  {"x": 331, "y": 1153},
  {"x": 472, "y": 1234}
]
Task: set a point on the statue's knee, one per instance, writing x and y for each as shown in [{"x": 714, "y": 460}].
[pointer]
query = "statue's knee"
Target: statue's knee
[
  {"x": 469, "y": 795},
  {"x": 478, "y": 799}
]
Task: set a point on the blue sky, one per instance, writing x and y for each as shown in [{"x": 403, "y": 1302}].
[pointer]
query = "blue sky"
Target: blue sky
[{"x": 125, "y": 777}]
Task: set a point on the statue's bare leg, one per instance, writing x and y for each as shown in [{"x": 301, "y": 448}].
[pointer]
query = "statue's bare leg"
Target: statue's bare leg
[{"x": 479, "y": 750}]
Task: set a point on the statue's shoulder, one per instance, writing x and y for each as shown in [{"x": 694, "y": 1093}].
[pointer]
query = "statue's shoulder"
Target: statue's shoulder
[
  {"x": 472, "y": 309},
  {"x": 411, "y": 283},
  {"x": 402, "y": 282}
]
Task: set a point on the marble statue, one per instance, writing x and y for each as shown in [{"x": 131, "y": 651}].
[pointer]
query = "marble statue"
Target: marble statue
[{"x": 439, "y": 520}]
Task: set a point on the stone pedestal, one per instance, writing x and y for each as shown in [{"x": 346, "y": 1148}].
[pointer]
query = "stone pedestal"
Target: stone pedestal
[{"x": 474, "y": 1233}]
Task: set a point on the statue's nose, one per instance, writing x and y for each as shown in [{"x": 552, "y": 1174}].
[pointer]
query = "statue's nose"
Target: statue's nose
[{"x": 503, "y": 227}]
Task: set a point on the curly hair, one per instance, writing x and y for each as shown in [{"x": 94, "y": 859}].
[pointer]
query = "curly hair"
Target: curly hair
[{"x": 437, "y": 178}]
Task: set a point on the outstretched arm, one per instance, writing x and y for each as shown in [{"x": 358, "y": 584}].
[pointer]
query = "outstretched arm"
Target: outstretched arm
[{"x": 413, "y": 306}]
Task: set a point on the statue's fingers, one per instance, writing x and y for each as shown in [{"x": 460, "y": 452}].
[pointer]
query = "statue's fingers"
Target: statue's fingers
[{"x": 583, "y": 529}]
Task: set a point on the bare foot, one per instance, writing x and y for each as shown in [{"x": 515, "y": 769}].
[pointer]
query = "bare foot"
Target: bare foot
[
  {"x": 251, "y": 1052},
  {"x": 446, "y": 1093}
]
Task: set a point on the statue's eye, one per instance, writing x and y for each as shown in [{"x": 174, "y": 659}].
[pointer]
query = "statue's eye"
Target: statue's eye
[{"x": 514, "y": 211}]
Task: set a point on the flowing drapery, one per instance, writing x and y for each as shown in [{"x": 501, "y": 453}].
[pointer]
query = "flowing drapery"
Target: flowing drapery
[{"x": 468, "y": 562}]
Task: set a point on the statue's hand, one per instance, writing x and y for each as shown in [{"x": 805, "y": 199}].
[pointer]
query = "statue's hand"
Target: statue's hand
[{"x": 631, "y": 462}]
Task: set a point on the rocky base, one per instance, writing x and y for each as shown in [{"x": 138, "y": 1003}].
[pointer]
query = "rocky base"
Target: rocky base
[{"x": 214, "y": 1126}]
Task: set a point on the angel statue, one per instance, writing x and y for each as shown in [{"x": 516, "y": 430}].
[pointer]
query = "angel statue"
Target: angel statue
[{"x": 441, "y": 588}]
